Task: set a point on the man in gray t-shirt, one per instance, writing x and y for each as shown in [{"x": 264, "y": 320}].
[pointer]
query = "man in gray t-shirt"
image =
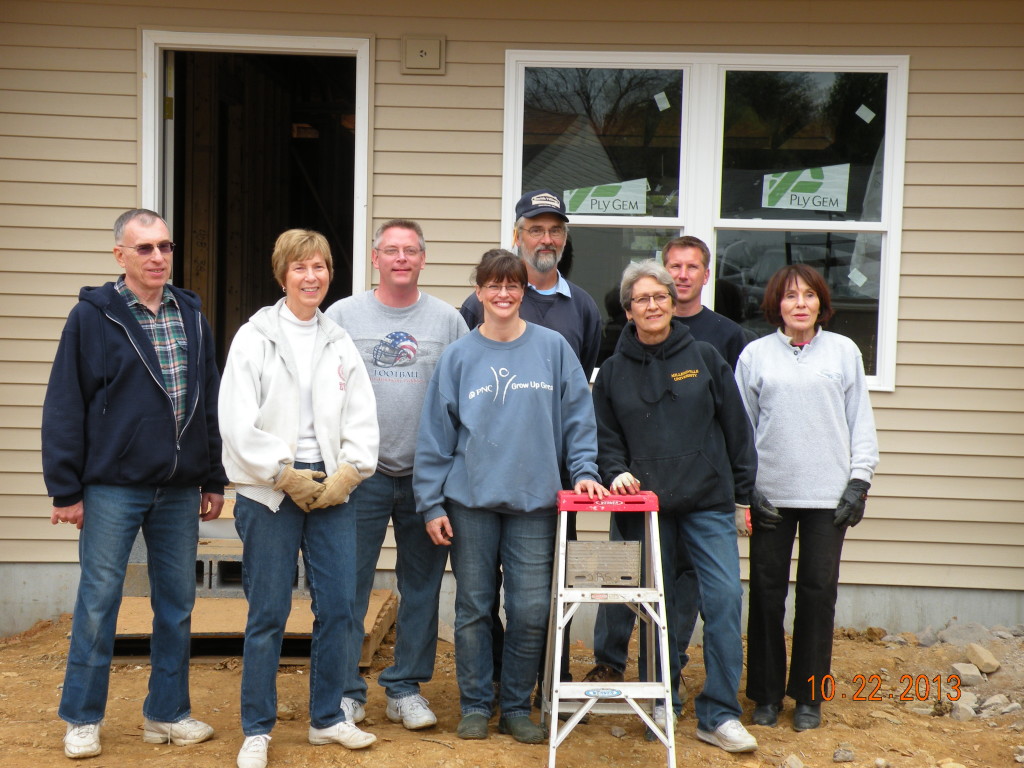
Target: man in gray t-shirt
[{"x": 400, "y": 334}]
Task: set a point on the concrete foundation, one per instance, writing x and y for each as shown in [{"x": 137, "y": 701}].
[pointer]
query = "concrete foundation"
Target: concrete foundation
[{"x": 35, "y": 591}]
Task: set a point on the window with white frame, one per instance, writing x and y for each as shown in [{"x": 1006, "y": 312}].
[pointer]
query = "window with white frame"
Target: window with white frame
[{"x": 770, "y": 159}]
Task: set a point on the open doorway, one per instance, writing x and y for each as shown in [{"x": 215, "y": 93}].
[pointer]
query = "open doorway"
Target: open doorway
[{"x": 260, "y": 143}]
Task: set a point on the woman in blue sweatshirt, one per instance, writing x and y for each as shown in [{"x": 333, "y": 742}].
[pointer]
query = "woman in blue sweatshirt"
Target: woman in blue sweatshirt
[{"x": 508, "y": 406}]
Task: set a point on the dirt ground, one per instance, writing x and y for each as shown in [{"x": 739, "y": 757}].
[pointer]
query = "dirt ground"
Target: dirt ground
[{"x": 32, "y": 667}]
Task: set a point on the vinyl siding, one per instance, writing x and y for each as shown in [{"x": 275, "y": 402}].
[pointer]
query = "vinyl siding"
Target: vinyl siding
[{"x": 946, "y": 505}]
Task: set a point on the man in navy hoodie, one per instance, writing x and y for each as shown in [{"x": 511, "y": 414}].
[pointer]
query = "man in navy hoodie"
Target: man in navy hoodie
[{"x": 130, "y": 441}]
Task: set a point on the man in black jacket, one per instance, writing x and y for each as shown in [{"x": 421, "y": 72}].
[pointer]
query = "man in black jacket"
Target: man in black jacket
[{"x": 130, "y": 441}]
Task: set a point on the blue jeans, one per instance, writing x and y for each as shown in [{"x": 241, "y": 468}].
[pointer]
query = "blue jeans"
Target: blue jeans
[
  {"x": 271, "y": 543},
  {"x": 817, "y": 586},
  {"x": 169, "y": 519},
  {"x": 710, "y": 539},
  {"x": 614, "y": 623},
  {"x": 524, "y": 545},
  {"x": 419, "y": 568}
]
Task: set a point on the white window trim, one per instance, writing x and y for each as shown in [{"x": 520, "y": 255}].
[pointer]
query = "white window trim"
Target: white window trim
[
  {"x": 151, "y": 140},
  {"x": 703, "y": 91}
]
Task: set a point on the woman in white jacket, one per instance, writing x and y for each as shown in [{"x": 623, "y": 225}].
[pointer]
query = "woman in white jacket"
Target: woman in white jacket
[{"x": 299, "y": 424}]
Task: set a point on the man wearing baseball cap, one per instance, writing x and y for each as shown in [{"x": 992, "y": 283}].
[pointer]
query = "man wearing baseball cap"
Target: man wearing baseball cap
[{"x": 552, "y": 301}]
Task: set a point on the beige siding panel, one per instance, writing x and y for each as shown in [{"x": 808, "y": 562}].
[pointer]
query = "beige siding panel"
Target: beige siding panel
[
  {"x": 936, "y": 532},
  {"x": 84, "y": 83},
  {"x": 20, "y": 423},
  {"x": 94, "y": 243},
  {"x": 435, "y": 165},
  {"x": 33, "y": 351},
  {"x": 949, "y": 487},
  {"x": 440, "y": 96},
  {"x": 42, "y": 328},
  {"x": 52, "y": 36},
  {"x": 968, "y": 149},
  {"x": 40, "y": 306},
  {"x": 949, "y": 376},
  {"x": 942, "y": 286},
  {"x": 69, "y": 285},
  {"x": 77, "y": 195},
  {"x": 929, "y": 574},
  {"x": 23, "y": 484},
  {"x": 1002, "y": 400},
  {"x": 964, "y": 174},
  {"x": 937, "y": 81},
  {"x": 22, "y": 394},
  {"x": 925, "y": 421},
  {"x": 927, "y": 553},
  {"x": 1007, "y": 260},
  {"x": 912, "y": 508},
  {"x": 75, "y": 150},
  {"x": 981, "y": 105},
  {"x": 44, "y": 217},
  {"x": 915, "y": 308},
  {"x": 68, "y": 172},
  {"x": 75, "y": 104},
  {"x": 460, "y": 71},
  {"x": 59, "y": 59},
  {"x": 437, "y": 141},
  {"x": 954, "y": 466},
  {"x": 969, "y": 220},
  {"x": 100, "y": 270},
  {"x": 443, "y": 186},
  {"x": 975, "y": 444},
  {"x": 24, "y": 373},
  {"x": 20, "y": 461},
  {"x": 962, "y": 354},
  {"x": 45, "y": 551},
  {"x": 103, "y": 128},
  {"x": 965, "y": 197},
  {"x": 959, "y": 332},
  {"x": 439, "y": 119}
]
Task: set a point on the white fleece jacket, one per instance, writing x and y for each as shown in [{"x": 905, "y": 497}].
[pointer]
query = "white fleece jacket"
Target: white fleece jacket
[
  {"x": 259, "y": 405},
  {"x": 813, "y": 425}
]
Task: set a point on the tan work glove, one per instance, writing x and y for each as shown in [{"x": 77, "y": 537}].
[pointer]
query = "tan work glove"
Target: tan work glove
[
  {"x": 301, "y": 485},
  {"x": 338, "y": 486},
  {"x": 742, "y": 519}
]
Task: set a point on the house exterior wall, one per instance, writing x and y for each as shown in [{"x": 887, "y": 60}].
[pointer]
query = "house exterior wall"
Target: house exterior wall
[{"x": 946, "y": 505}]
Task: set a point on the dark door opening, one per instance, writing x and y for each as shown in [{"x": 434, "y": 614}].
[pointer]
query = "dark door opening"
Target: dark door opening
[{"x": 262, "y": 143}]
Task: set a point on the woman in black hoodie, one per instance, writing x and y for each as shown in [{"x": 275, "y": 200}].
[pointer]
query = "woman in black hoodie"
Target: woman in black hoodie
[{"x": 670, "y": 420}]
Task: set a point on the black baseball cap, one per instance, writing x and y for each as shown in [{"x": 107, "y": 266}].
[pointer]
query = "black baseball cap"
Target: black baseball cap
[{"x": 540, "y": 201}]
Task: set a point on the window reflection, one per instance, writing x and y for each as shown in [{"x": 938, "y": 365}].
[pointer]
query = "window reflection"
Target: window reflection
[
  {"x": 850, "y": 263},
  {"x": 615, "y": 129},
  {"x": 803, "y": 145},
  {"x": 598, "y": 256}
]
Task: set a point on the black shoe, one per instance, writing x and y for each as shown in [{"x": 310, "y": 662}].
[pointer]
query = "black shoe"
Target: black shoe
[
  {"x": 766, "y": 715},
  {"x": 522, "y": 729},
  {"x": 472, "y": 726},
  {"x": 806, "y": 717},
  {"x": 602, "y": 673}
]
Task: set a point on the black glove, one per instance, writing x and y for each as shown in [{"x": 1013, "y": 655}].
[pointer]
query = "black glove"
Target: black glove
[
  {"x": 851, "y": 504},
  {"x": 763, "y": 516}
]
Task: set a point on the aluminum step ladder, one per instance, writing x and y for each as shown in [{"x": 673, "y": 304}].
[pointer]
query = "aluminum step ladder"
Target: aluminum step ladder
[{"x": 605, "y": 572}]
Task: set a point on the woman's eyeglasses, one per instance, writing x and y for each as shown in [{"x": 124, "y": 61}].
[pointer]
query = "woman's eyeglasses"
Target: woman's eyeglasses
[{"x": 661, "y": 299}]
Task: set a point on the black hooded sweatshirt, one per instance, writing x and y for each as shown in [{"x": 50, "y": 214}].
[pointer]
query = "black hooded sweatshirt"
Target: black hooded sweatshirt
[{"x": 671, "y": 415}]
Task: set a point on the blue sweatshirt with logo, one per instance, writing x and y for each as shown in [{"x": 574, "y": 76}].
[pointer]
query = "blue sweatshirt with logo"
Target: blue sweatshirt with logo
[{"x": 499, "y": 420}]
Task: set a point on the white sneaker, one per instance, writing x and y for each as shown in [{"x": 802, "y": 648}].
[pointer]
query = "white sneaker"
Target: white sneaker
[
  {"x": 344, "y": 733},
  {"x": 354, "y": 710},
  {"x": 659, "y": 717},
  {"x": 411, "y": 711},
  {"x": 730, "y": 736},
  {"x": 82, "y": 740},
  {"x": 186, "y": 731},
  {"x": 253, "y": 753}
]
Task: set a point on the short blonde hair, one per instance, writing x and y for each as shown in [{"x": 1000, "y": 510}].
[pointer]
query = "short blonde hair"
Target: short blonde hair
[{"x": 298, "y": 245}]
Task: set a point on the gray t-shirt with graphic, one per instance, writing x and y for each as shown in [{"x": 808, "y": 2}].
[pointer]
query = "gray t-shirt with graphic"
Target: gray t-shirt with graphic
[{"x": 400, "y": 347}]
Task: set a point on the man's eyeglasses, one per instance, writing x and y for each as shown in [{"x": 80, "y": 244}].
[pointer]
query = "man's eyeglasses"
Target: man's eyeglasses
[
  {"x": 147, "y": 248},
  {"x": 512, "y": 289},
  {"x": 556, "y": 233},
  {"x": 410, "y": 253},
  {"x": 661, "y": 299}
]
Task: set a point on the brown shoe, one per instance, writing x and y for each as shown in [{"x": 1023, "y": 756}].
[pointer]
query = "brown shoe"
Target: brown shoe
[{"x": 602, "y": 673}]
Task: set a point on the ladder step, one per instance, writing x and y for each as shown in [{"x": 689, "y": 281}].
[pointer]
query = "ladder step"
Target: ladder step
[
  {"x": 609, "y": 595},
  {"x": 604, "y": 691}
]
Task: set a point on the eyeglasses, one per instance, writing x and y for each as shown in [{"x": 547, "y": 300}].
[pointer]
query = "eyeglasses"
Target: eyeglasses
[
  {"x": 147, "y": 248},
  {"x": 512, "y": 289},
  {"x": 556, "y": 233},
  {"x": 409, "y": 252},
  {"x": 660, "y": 299}
]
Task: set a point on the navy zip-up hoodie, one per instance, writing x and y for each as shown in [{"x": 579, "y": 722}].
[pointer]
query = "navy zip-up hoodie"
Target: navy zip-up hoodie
[
  {"x": 671, "y": 414},
  {"x": 107, "y": 418}
]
